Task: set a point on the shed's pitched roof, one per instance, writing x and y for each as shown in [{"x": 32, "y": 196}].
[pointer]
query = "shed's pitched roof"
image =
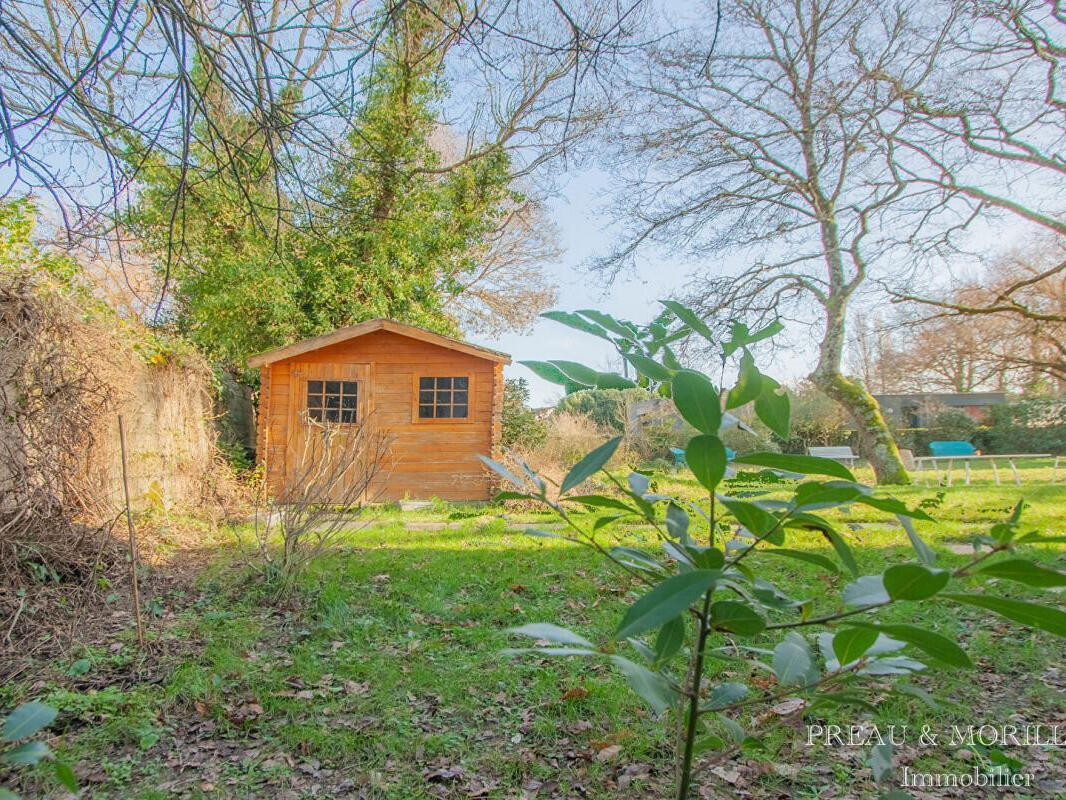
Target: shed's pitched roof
[{"x": 371, "y": 325}]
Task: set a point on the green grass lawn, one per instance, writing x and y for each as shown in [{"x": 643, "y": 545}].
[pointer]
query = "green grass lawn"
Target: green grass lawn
[{"x": 383, "y": 677}]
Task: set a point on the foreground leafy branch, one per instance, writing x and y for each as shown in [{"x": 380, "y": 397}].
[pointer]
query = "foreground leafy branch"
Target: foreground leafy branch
[{"x": 711, "y": 604}]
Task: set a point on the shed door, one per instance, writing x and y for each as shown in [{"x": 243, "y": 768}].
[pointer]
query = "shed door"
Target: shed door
[{"x": 331, "y": 446}]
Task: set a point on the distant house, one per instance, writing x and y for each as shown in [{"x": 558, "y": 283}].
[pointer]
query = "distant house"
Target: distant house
[
  {"x": 438, "y": 399},
  {"x": 918, "y": 410}
]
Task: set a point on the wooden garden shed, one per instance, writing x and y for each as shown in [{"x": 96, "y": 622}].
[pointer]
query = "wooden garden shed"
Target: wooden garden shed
[{"x": 438, "y": 400}]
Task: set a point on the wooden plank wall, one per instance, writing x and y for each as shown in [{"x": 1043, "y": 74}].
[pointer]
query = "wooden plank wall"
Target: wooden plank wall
[{"x": 428, "y": 459}]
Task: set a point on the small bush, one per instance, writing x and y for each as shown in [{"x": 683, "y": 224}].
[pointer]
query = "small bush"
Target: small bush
[
  {"x": 521, "y": 428},
  {"x": 607, "y": 408}
]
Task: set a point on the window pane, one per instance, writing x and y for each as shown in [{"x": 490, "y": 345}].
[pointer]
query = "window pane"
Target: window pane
[
  {"x": 333, "y": 401},
  {"x": 444, "y": 383},
  {"x": 425, "y": 412},
  {"x": 459, "y": 411},
  {"x": 425, "y": 383},
  {"x": 348, "y": 416},
  {"x": 444, "y": 398},
  {"x": 314, "y": 401},
  {"x": 348, "y": 401},
  {"x": 314, "y": 387},
  {"x": 459, "y": 383},
  {"x": 458, "y": 397},
  {"x": 443, "y": 412},
  {"x": 350, "y": 387},
  {"x": 425, "y": 398},
  {"x": 333, "y": 387},
  {"x": 332, "y": 415},
  {"x": 315, "y": 414}
]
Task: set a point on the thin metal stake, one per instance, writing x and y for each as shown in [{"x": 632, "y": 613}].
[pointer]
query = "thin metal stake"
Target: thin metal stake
[{"x": 133, "y": 539}]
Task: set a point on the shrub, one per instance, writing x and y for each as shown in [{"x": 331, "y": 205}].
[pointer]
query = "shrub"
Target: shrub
[
  {"x": 1031, "y": 425},
  {"x": 953, "y": 425},
  {"x": 817, "y": 421},
  {"x": 607, "y": 408},
  {"x": 521, "y": 428}
]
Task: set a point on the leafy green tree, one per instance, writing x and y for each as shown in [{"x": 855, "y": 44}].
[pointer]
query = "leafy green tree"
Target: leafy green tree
[
  {"x": 400, "y": 228},
  {"x": 394, "y": 235},
  {"x": 520, "y": 425}
]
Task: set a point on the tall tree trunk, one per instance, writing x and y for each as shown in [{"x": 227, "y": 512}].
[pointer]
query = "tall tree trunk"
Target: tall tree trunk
[{"x": 876, "y": 443}]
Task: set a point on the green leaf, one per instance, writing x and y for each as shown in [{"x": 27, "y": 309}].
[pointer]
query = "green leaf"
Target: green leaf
[
  {"x": 705, "y": 456},
  {"x": 794, "y": 662},
  {"x": 638, "y": 558},
  {"x": 757, "y": 521},
  {"x": 650, "y": 367},
  {"x": 843, "y": 550},
  {"x": 1037, "y": 538},
  {"x": 814, "y": 495},
  {"x": 500, "y": 470},
  {"x": 552, "y": 633},
  {"x": 881, "y": 761},
  {"x": 697, "y": 401},
  {"x": 1022, "y": 571},
  {"x": 26, "y": 720},
  {"x": 749, "y": 382},
  {"x": 601, "y": 501},
  {"x": 912, "y": 582},
  {"x": 677, "y": 522},
  {"x": 852, "y": 643},
  {"x": 773, "y": 406},
  {"x": 924, "y": 551},
  {"x": 610, "y": 380},
  {"x": 893, "y": 505},
  {"x": 869, "y": 590},
  {"x": 652, "y": 687},
  {"x": 65, "y": 775},
  {"x": 725, "y": 694},
  {"x": 666, "y": 601},
  {"x": 609, "y": 323},
  {"x": 576, "y": 372},
  {"x": 1035, "y": 616},
  {"x": 736, "y": 617},
  {"x": 690, "y": 318},
  {"x": 80, "y": 667},
  {"x": 739, "y": 336},
  {"x": 26, "y": 754},
  {"x": 805, "y": 465},
  {"x": 590, "y": 464},
  {"x": 670, "y": 639},
  {"x": 575, "y": 322},
  {"x": 802, "y": 555},
  {"x": 933, "y": 644},
  {"x": 549, "y": 372}
]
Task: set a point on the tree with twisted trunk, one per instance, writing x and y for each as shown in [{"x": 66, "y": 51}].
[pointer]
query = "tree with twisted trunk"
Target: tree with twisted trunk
[{"x": 770, "y": 142}]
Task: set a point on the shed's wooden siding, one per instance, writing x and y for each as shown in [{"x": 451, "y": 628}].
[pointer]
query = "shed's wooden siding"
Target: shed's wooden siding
[{"x": 428, "y": 458}]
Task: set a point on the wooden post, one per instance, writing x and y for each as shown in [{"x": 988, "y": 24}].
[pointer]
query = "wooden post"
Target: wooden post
[
  {"x": 1055, "y": 469},
  {"x": 951, "y": 462},
  {"x": 995, "y": 470},
  {"x": 1014, "y": 469},
  {"x": 133, "y": 539},
  {"x": 967, "y": 462}
]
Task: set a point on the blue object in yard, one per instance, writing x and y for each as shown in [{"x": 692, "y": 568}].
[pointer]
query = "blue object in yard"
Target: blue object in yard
[{"x": 945, "y": 449}]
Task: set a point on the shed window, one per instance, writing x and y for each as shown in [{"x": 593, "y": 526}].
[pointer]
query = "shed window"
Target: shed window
[
  {"x": 332, "y": 401},
  {"x": 443, "y": 398}
]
